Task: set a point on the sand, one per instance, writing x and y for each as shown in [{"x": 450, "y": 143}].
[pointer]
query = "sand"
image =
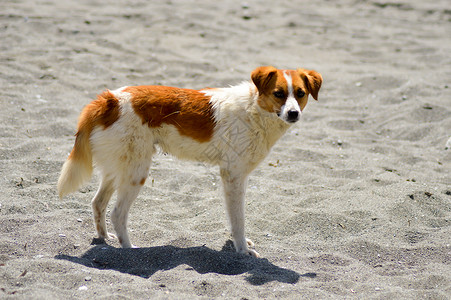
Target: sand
[{"x": 353, "y": 202}]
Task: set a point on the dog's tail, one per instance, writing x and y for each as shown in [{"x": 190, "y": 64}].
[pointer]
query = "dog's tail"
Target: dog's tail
[{"x": 78, "y": 167}]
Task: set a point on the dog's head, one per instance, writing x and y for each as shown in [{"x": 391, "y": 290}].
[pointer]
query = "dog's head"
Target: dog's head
[{"x": 285, "y": 92}]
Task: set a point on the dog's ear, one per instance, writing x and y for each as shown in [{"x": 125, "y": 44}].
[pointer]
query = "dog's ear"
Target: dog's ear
[
  {"x": 313, "y": 80},
  {"x": 262, "y": 77}
]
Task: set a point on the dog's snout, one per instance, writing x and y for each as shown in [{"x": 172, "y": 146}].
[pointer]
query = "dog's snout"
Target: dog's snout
[{"x": 292, "y": 115}]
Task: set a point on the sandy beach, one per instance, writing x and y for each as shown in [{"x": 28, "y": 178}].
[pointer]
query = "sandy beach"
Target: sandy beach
[{"x": 353, "y": 202}]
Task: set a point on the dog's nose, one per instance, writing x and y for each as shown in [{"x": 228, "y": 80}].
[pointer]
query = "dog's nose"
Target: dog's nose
[{"x": 292, "y": 115}]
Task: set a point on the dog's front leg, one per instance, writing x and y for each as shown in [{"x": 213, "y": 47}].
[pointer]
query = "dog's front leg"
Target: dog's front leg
[{"x": 235, "y": 189}]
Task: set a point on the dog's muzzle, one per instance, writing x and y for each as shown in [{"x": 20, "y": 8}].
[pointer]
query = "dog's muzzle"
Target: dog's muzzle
[{"x": 292, "y": 116}]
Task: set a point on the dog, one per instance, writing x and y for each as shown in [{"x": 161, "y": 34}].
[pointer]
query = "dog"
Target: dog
[{"x": 232, "y": 127}]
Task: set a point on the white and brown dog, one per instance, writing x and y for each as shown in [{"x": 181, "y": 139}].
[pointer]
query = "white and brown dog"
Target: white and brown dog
[{"x": 233, "y": 127}]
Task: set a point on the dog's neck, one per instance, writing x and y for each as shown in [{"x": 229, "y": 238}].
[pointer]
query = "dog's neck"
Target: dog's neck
[
  {"x": 271, "y": 126},
  {"x": 265, "y": 124}
]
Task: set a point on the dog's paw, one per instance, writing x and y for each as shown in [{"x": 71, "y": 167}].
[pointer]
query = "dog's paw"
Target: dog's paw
[
  {"x": 251, "y": 252},
  {"x": 245, "y": 250}
]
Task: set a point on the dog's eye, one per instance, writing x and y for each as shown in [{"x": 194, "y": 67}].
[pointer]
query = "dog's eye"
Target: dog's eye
[
  {"x": 279, "y": 94},
  {"x": 300, "y": 93}
]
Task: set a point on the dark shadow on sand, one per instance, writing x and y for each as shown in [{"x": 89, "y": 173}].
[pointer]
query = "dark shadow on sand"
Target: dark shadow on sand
[{"x": 145, "y": 262}]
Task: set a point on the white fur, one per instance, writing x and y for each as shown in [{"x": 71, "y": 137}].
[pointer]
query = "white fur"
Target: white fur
[
  {"x": 291, "y": 104},
  {"x": 243, "y": 135}
]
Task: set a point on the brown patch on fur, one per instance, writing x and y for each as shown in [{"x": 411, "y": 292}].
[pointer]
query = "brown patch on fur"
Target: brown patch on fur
[
  {"x": 264, "y": 79},
  {"x": 267, "y": 80},
  {"x": 313, "y": 81},
  {"x": 141, "y": 182},
  {"x": 103, "y": 111},
  {"x": 188, "y": 110}
]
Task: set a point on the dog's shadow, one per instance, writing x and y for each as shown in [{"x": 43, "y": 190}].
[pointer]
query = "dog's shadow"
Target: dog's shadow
[{"x": 145, "y": 262}]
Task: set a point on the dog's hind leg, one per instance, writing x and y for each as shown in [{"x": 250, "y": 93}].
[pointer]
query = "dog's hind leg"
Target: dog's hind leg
[
  {"x": 99, "y": 204},
  {"x": 128, "y": 190}
]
